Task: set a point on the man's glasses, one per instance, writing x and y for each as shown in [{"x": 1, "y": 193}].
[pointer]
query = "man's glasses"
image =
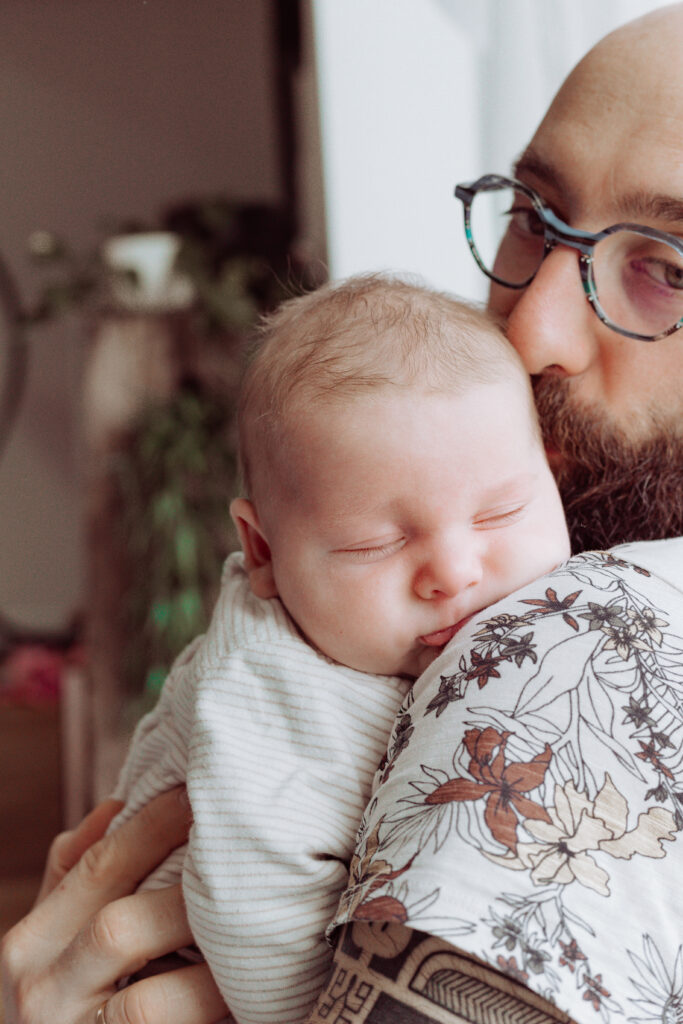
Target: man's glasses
[{"x": 632, "y": 275}]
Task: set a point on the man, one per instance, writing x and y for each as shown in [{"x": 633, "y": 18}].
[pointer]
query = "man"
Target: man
[{"x": 610, "y": 150}]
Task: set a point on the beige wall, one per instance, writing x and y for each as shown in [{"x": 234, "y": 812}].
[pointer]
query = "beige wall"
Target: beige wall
[{"x": 108, "y": 110}]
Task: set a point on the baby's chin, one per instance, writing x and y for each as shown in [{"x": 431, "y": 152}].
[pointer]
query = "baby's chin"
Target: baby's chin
[
  {"x": 410, "y": 666},
  {"x": 419, "y": 661}
]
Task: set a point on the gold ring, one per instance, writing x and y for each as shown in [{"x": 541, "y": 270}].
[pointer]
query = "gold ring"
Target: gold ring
[{"x": 99, "y": 1019}]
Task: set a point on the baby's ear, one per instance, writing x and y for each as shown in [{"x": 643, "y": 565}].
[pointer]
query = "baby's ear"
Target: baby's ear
[{"x": 257, "y": 557}]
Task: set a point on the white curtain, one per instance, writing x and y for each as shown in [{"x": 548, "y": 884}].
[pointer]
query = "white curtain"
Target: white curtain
[
  {"x": 418, "y": 94},
  {"x": 525, "y": 48}
]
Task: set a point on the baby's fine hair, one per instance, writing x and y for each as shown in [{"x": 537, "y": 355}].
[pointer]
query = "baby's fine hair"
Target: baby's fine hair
[{"x": 350, "y": 337}]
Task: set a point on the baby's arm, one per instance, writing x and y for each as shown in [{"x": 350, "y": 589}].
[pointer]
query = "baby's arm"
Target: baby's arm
[
  {"x": 157, "y": 757},
  {"x": 281, "y": 760}
]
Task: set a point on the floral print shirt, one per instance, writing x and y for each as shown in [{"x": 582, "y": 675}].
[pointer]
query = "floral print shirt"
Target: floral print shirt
[{"x": 530, "y": 806}]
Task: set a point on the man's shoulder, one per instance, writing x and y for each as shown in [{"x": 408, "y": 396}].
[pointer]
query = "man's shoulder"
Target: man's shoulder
[{"x": 663, "y": 558}]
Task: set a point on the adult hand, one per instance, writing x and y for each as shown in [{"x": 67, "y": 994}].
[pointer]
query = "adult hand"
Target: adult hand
[{"x": 62, "y": 961}]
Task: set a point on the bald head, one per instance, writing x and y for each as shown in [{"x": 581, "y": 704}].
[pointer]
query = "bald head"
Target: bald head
[
  {"x": 635, "y": 74},
  {"x": 654, "y": 39}
]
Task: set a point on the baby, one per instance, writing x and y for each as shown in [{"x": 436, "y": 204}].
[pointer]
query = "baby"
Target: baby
[{"x": 396, "y": 485}]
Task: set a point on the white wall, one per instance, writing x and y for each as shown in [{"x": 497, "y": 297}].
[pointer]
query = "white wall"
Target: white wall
[
  {"x": 395, "y": 78},
  {"x": 417, "y": 95}
]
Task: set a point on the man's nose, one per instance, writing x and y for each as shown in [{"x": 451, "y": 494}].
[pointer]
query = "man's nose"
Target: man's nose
[
  {"x": 446, "y": 569},
  {"x": 551, "y": 324}
]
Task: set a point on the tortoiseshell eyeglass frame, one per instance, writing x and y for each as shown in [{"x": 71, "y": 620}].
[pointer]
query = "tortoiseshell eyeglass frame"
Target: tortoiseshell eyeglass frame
[{"x": 557, "y": 232}]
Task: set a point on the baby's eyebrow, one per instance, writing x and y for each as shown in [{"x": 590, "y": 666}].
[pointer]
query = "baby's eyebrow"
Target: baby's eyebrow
[
  {"x": 356, "y": 503},
  {"x": 520, "y": 482}
]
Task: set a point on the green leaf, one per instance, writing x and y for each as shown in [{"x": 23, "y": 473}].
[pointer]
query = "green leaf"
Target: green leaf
[
  {"x": 189, "y": 604},
  {"x": 155, "y": 678},
  {"x": 161, "y": 614},
  {"x": 186, "y": 550}
]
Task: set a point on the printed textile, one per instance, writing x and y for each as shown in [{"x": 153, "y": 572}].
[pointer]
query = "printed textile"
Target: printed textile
[{"x": 530, "y": 806}]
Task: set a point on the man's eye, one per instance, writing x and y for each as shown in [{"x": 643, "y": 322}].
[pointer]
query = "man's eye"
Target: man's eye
[
  {"x": 661, "y": 271},
  {"x": 526, "y": 221}
]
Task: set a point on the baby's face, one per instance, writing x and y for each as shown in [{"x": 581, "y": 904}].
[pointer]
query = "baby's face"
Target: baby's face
[{"x": 397, "y": 516}]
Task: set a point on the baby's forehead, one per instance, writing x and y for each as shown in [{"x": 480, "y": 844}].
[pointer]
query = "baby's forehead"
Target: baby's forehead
[
  {"x": 315, "y": 423},
  {"x": 335, "y": 464}
]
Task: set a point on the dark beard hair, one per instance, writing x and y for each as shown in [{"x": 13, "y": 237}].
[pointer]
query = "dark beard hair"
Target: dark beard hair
[{"x": 613, "y": 490}]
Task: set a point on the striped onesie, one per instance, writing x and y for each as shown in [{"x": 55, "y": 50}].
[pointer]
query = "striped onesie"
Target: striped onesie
[{"x": 278, "y": 747}]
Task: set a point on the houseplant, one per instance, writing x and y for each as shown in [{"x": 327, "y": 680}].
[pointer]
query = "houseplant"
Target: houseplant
[{"x": 174, "y": 468}]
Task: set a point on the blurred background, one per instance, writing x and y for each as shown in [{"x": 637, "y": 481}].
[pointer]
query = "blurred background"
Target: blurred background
[{"x": 169, "y": 171}]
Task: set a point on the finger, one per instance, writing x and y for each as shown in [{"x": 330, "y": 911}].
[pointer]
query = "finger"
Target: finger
[
  {"x": 115, "y": 865},
  {"x": 185, "y": 996},
  {"x": 69, "y": 847},
  {"x": 122, "y": 938}
]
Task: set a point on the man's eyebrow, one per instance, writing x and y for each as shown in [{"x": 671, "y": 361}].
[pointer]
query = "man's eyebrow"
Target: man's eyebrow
[
  {"x": 652, "y": 206},
  {"x": 638, "y": 205},
  {"x": 532, "y": 163}
]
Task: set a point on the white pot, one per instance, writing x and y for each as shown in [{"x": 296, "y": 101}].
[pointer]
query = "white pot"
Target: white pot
[{"x": 155, "y": 284}]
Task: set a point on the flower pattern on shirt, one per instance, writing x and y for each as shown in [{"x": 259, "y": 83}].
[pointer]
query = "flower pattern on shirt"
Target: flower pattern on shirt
[{"x": 560, "y": 762}]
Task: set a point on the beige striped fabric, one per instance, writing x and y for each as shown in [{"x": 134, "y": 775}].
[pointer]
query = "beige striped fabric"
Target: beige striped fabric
[{"x": 278, "y": 746}]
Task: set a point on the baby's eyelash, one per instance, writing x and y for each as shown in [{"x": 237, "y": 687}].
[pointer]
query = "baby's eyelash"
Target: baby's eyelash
[
  {"x": 373, "y": 551},
  {"x": 501, "y": 517}
]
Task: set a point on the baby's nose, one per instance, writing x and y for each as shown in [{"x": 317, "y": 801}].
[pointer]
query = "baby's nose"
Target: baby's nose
[{"x": 447, "y": 570}]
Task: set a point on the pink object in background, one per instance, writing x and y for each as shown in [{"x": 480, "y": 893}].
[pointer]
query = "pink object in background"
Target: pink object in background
[{"x": 33, "y": 674}]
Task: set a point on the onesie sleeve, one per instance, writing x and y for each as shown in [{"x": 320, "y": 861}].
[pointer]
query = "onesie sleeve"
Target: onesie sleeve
[
  {"x": 157, "y": 757},
  {"x": 281, "y": 758}
]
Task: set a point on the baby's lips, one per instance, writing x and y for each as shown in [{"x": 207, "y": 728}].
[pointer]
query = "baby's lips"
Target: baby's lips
[{"x": 442, "y": 636}]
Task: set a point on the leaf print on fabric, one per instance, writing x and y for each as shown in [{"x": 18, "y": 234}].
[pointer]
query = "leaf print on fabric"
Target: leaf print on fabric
[
  {"x": 623, "y": 640},
  {"x": 550, "y": 787},
  {"x": 571, "y": 955},
  {"x": 368, "y": 873},
  {"x": 553, "y": 604},
  {"x": 529, "y": 929},
  {"x": 451, "y": 689},
  {"x": 649, "y": 752},
  {"x": 382, "y": 908},
  {"x": 484, "y": 667},
  {"x": 604, "y": 616},
  {"x": 494, "y": 644},
  {"x": 503, "y": 786},
  {"x": 595, "y": 991},
  {"x": 507, "y": 931},
  {"x": 403, "y": 730},
  {"x": 660, "y": 988},
  {"x": 644, "y": 620},
  {"x": 512, "y": 969},
  {"x": 579, "y": 827},
  {"x": 639, "y": 713}
]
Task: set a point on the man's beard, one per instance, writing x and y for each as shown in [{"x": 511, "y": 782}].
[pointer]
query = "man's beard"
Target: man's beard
[{"x": 613, "y": 490}]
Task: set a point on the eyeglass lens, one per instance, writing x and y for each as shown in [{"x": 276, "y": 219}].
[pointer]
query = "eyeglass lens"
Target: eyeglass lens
[{"x": 638, "y": 280}]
